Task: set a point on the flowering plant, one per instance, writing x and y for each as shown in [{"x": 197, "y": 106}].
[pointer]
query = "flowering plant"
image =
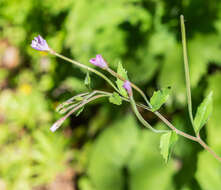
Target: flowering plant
[{"x": 124, "y": 91}]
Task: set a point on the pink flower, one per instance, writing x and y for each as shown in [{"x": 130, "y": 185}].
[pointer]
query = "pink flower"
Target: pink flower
[
  {"x": 99, "y": 62},
  {"x": 127, "y": 87},
  {"x": 40, "y": 44}
]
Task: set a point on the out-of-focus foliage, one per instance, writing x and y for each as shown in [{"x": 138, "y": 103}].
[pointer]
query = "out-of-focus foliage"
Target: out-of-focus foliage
[
  {"x": 121, "y": 153},
  {"x": 105, "y": 148}
]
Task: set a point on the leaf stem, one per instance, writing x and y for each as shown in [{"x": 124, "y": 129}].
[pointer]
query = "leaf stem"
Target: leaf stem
[{"x": 186, "y": 68}]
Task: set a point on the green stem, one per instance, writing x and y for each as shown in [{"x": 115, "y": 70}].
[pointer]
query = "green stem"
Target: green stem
[
  {"x": 186, "y": 66},
  {"x": 141, "y": 119},
  {"x": 85, "y": 67},
  {"x": 170, "y": 125},
  {"x": 205, "y": 146},
  {"x": 85, "y": 98}
]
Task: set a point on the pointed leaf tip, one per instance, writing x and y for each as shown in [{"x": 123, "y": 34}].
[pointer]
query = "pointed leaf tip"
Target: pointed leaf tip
[{"x": 203, "y": 113}]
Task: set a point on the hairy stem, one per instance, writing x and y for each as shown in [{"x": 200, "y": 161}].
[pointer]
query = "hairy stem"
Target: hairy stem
[{"x": 186, "y": 68}]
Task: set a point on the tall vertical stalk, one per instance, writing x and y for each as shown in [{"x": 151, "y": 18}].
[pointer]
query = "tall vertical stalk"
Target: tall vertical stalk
[{"x": 186, "y": 67}]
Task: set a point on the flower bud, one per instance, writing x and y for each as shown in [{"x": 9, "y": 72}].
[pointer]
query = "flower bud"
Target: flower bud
[
  {"x": 127, "y": 87},
  {"x": 99, "y": 62}
]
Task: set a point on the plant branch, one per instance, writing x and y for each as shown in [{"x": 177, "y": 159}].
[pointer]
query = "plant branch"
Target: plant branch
[{"x": 161, "y": 117}]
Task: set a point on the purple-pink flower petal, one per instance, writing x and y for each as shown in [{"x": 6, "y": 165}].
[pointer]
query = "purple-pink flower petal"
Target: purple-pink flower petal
[
  {"x": 99, "y": 62},
  {"x": 127, "y": 87},
  {"x": 40, "y": 44}
]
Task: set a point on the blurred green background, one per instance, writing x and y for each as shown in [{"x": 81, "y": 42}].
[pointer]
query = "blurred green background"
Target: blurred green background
[{"x": 105, "y": 148}]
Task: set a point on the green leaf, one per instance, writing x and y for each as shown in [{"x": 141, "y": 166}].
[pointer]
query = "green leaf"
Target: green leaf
[
  {"x": 159, "y": 98},
  {"x": 203, "y": 112},
  {"x": 122, "y": 72},
  {"x": 79, "y": 111},
  {"x": 115, "y": 99},
  {"x": 166, "y": 144},
  {"x": 87, "y": 80}
]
